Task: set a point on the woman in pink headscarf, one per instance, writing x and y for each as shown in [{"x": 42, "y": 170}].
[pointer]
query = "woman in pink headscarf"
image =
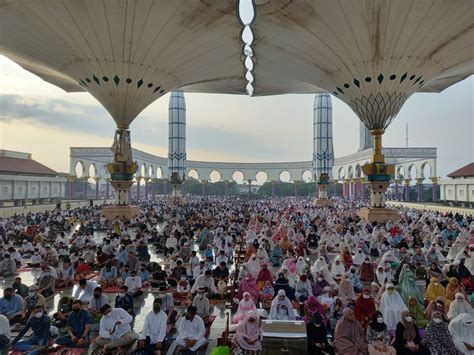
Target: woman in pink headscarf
[
  {"x": 248, "y": 337},
  {"x": 312, "y": 306},
  {"x": 248, "y": 284},
  {"x": 246, "y": 305}
]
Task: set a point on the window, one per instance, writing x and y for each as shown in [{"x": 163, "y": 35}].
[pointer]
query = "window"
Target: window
[
  {"x": 5, "y": 189},
  {"x": 19, "y": 189},
  {"x": 45, "y": 189},
  {"x": 33, "y": 189},
  {"x": 55, "y": 190},
  {"x": 461, "y": 192}
]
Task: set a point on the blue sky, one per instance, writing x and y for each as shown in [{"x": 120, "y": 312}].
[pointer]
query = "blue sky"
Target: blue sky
[{"x": 38, "y": 118}]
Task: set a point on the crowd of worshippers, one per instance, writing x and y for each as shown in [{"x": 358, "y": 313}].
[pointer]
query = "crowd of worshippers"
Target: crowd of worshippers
[{"x": 403, "y": 287}]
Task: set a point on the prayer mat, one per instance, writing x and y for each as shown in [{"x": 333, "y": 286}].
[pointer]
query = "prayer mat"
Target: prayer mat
[
  {"x": 69, "y": 351},
  {"x": 88, "y": 277},
  {"x": 24, "y": 269}
]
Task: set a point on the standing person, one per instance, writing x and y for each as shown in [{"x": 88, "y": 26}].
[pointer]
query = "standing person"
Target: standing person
[
  {"x": 349, "y": 337},
  {"x": 114, "y": 330},
  {"x": 39, "y": 323},
  {"x": 378, "y": 338},
  {"x": 317, "y": 336},
  {"x": 191, "y": 331},
  {"x": 78, "y": 327},
  {"x": 154, "y": 329}
]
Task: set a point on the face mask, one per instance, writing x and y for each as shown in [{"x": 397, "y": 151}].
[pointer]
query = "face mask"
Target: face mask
[
  {"x": 320, "y": 279},
  {"x": 366, "y": 296},
  {"x": 121, "y": 294},
  {"x": 96, "y": 295},
  {"x": 437, "y": 320},
  {"x": 435, "y": 284},
  {"x": 38, "y": 314},
  {"x": 31, "y": 294},
  {"x": 380, "y": 320},
  {"x": 390, "y": 291},
  {"x": 408, "y": 319},
  {"x": 46, "y": 274}
]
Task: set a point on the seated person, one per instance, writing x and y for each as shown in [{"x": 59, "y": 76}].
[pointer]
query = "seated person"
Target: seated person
[
  {"x": 248, "y": 336},
  {"x": 125, "y": 301},
  {"x": 134, "y": 284},
  {"x": 201, "y": 302},
  {"x": 144, "y": 275},
  {"x": 78, "y": 327},
  {"x": 33, "y": 299},
  {"x": 182, "y": 289},
  {"x": 10, "y": 305},
  {"x": 282, "y": 308},
  {"x": 378, "y": 338},
  {"x": 159, "y": 277},
  {"x": 82, "y": 268},
  {"x": 40, "y": 325},
  {"x": 206, "y": 281},
  {"x": 65, "y": 275},
  {"x": 191, "y": 331},
  {"x": 177, "y": 272},
  {"x": 114, "y": 331},
  {"x": 462, "y": 330},
  {"x": 221, "y": 272},
  {"x": 407, "y": 337},
  {"x": 20, "y": 288},
  {"x": 5, "y": 333},
  {"x": 154, "y": 329},
  {"x": 64, "y": 308},
  {"x": 96, "y": 303},
  {"x": 317, "y": 336},
  {"x": 349, "y": 336},
  {"x": 7, "y": 266},
  {"x": 246, "y": 305},
  {"x": 46, "y": 282},
  {"x": 85, "y": 291},
  {"x": 108, "y": 275},
  {"x": 167, "y": 305},
  {"x": 36, "y": 259}
]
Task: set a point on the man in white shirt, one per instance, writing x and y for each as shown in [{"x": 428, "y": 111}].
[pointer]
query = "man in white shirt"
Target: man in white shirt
[
  {"x": 154, "y": 329},
  {"x": 4, "y": 331},
  {"x": 205, "y": 280},
  {"x": 171, "y": 245},
  {"x": 134, "y": 284},
  {"x": 85, "y": 290},
  {"x": 191, "y": 331},
  {"x": 114, "y": 330}
]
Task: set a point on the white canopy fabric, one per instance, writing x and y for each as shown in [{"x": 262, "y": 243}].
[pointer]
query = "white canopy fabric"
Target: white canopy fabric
[
  {"x": 126, "y": 53},
  {"x": 371, "y": 54}
]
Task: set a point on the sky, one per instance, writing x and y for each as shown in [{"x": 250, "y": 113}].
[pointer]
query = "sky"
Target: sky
[{"x": 39, "y": 118}]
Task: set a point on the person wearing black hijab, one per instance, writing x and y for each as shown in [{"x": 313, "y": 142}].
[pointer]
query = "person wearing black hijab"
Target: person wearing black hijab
[
  {"x": 378, "y": 337},
  {"x": 318, "y": 337}
]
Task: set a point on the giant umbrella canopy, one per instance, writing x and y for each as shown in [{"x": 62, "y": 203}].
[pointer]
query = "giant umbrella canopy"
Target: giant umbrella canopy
[
  {"x": 126, "y": 54},
  {"x": 372, "y": 54}
]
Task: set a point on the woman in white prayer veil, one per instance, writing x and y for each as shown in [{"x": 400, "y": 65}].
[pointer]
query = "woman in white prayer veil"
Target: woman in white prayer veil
[
  {"x": 319, "y": 264},
  {"x": 359, "y": 257},
  {"x": 462, "y": 331},
  {"x": 437, "y": 250},
  {"x": 253, "y": 266},
  {"x": 458, "y": 306},
  {"x": 262, "y": 255},
  {"x": 281, "y": 308},
  {"x": 300, "y": 265},
  {"x": 391, "y": 306},
  {"x": 337, "y": 267},
  {"x": 457, "y": 246}
]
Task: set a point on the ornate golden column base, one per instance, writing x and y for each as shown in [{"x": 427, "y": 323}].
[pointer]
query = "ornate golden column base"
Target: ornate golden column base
[
  {"x": 121, "y": 212},
  {"x": 321, "y": 202},
  {"x": 379, "y": 215}
]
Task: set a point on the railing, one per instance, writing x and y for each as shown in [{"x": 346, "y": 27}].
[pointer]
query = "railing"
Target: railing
[
  {"x": 6, "y": 212},
  {"x": 433, "y": 207}
]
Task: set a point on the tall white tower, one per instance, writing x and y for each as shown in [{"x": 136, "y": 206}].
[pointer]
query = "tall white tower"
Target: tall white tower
[
  {"x": 177, "y": 140},
  {"x": 365, "y": 138},
  {"x": 323, "y": 149}
]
